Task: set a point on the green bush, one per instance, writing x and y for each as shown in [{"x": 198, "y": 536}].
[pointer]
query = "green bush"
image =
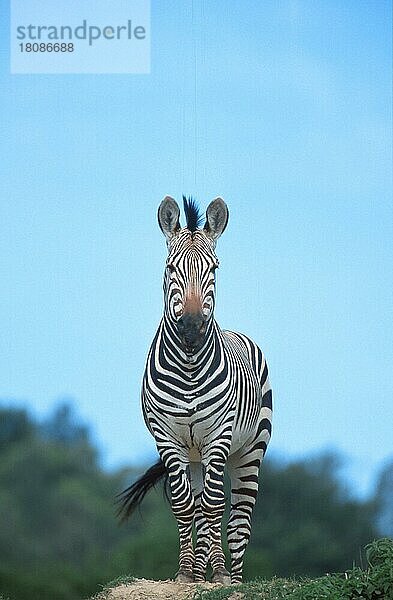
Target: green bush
[
  {"x": 60, "y": 540},
  {"x": 373, "y": 583}
]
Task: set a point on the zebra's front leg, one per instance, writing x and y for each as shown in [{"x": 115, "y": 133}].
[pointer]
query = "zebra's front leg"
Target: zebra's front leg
[
  {"x": 213, "y": 505},
  {"x": 183, "y": 508}
]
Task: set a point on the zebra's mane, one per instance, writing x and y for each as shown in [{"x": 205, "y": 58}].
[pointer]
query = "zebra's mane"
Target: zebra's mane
[{"x": 193, "y": 216}]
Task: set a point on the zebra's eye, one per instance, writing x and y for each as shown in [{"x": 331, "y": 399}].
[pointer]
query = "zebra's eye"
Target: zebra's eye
[{"x": 171, "y": 268}]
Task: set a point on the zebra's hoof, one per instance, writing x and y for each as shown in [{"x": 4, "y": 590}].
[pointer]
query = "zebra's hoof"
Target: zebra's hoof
[
  {"x": 184, "y": 576},
  {"x": 221, "y": 576}
]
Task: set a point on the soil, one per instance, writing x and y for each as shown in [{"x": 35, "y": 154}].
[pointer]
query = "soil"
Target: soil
[{"x": 145, "y": 589}]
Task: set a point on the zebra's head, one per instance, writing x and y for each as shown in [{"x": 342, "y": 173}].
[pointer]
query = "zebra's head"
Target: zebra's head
[{"x": 189, "y": 279}]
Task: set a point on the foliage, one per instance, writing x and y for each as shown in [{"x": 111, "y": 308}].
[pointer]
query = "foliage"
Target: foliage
[
  {"x": 373, "y": 583},
  {"x": 59, "y": 539},
  {"x": 57, "y": 527},
  {"x": 384, "y": 500},
  {"x": 304, "y": 523}
]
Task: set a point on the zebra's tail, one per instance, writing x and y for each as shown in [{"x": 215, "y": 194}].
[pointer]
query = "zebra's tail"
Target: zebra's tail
[{"x": 130, "y": 498}]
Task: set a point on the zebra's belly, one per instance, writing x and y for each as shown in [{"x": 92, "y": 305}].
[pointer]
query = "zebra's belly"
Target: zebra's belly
[
  {"x": 196, "y": 432},
  {"x": 195, "y": 436},
  {"x": 192, "y": 427},
  {"x": 240, "y": 439},
  {"x": 248, "y": 417}
]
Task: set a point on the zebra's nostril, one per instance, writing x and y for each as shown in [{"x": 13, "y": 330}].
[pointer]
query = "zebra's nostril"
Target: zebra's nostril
[{"x": 191, "y": 329}]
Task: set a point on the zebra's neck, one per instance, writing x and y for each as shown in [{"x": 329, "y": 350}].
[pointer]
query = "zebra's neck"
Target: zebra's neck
[{"x": 175, "y": 353}]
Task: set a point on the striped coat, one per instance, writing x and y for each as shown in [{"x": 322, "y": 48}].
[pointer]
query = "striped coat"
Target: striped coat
[{"x": 207, "y": 401}]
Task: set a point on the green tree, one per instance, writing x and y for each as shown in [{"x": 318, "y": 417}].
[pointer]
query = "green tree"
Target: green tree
[
  {"x": 59, "y": 538},
  {"x": 305, "y": 523},
  {"x": 57, "y": 525},
  {"x": 384, "y": 500}
]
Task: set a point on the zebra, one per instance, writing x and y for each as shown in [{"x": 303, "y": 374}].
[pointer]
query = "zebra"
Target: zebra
[{"x": 207, "y": 401}]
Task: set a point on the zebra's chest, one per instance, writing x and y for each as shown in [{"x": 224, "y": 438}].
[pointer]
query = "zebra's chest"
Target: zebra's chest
[
  {"x": 191, "y": 401},
  {"x": 191, "y": 407},
  {"x": 195, "y": 410}
]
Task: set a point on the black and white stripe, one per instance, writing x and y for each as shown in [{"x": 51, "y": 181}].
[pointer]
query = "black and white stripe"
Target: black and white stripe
[{"x": 206, "y": 399}]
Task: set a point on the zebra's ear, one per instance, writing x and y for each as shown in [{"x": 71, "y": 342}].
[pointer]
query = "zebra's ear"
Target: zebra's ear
[
  {"x": 216, "y": 218},
  {"x": 168, "y": 217}
]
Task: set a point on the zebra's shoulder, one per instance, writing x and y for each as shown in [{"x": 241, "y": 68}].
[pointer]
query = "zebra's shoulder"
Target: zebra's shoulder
[
  {"x": 241, "y": 339},
  {"x": 248, "y": 348}
]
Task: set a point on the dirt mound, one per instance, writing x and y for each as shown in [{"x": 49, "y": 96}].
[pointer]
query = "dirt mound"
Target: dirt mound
[{"x": 145, "y": 589}]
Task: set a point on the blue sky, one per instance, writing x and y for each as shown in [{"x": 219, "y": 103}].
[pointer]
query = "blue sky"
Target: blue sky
[{"x": 284, "y": 109}]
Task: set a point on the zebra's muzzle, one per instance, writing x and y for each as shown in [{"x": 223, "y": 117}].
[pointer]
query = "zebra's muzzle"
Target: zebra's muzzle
[{"x": 192, "y": 329}]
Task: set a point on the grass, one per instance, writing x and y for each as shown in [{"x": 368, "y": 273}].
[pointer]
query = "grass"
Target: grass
[{"x": 375, "y": 582}]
